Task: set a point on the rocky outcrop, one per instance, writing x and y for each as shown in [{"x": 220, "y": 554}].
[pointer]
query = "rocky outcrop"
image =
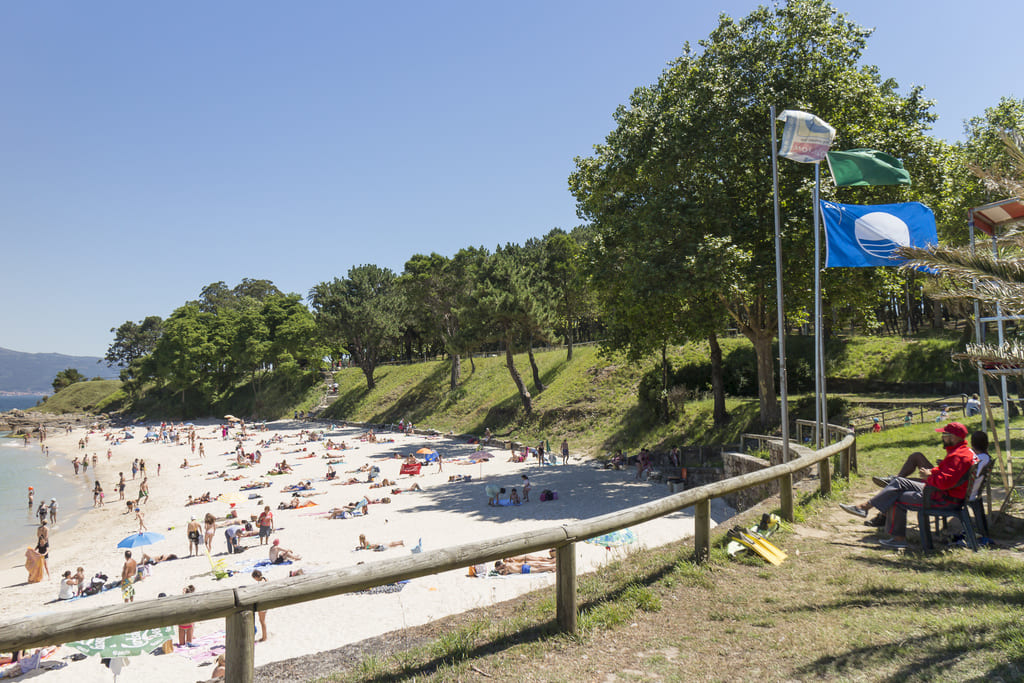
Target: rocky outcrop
[{"x": 21, "y": 422}]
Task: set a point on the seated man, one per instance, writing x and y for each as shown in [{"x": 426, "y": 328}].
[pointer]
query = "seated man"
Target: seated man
[
  {"x": 901, "y": 494},
  {"x": 917, "y": 461},
  {"x": 279, "y": 555}
]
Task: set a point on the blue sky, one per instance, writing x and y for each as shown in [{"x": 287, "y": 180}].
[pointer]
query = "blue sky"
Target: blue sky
[{"x": 149, "y": 149}]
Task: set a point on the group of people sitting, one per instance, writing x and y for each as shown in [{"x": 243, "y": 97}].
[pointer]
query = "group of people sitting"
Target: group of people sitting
[
  {"x": 949, "y": 479},
  {"x": 204, "y": 498}
]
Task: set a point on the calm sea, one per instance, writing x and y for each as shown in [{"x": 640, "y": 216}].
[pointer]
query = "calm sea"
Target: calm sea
[{"x": 51, "y": 477}]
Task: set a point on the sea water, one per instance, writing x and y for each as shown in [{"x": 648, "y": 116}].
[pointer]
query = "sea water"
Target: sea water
[{"x": 51, "y": 477}]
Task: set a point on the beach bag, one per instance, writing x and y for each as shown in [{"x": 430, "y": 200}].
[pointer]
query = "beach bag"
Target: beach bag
[{"x": 546, "y": 495}]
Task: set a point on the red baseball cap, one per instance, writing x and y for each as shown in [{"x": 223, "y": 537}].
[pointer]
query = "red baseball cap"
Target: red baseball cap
[{"x": 956, "y": 429}]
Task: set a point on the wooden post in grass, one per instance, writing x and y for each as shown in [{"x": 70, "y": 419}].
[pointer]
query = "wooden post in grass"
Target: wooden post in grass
[
  {"x": 825, "y": 476},
  {"x": 565, "y": 587},
  {"x": 239, "y": 644},
  {"x": 844, "y": 463},
  {"x": 786, "y": 496},
  {"x": 702, "y": 530}
]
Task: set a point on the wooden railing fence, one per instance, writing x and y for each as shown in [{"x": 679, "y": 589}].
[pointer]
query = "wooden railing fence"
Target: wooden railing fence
[{"x": 238, "y": 606}]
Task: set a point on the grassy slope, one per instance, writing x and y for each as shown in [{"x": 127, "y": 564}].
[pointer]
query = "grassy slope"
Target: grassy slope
[
  {"x": 592, "y": 400},
  {"x": 83, "y": 397}
]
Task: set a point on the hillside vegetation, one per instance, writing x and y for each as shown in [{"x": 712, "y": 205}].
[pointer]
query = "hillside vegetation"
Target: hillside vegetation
[
  {"x": 598, "y": 403},
  {"x": 601, "y": 404},
  {"x": 97, "y": 396}
]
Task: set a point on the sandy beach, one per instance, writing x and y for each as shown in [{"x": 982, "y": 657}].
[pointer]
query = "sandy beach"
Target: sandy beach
[{"x": 443, "y": 513}]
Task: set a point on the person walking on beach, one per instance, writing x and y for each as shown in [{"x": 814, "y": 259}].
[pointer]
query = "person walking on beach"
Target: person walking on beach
[
  {"x": 193, "y": 536},
  {"x": 43, "y": 545},
  {"x": 128, "y": 572},
  {"x": 202, "y": 451},
  {"x": 266, "y": 523},
  {"x": 135, "y": 468},
  {"x": 42, "y": 513},
  {"x": 53, "y": 511},
  {"x": 31, "y": 498},
  {"x": 209, "y": 529},
  {"x": 565, "y": 451},
  {"x": 141, "y": 518},
  {"x": 121, "y": 486},
  {"x": 143, "y": 490}
]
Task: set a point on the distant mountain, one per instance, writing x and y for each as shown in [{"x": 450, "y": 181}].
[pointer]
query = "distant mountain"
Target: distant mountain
[{"x": 34, "y": 372}]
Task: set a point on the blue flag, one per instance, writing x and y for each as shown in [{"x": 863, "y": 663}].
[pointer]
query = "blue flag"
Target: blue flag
[{"x": 859, "y": 236}]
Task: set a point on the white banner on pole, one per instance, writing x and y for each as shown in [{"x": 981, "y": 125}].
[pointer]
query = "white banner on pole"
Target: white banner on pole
[{"x": 805, "y": 137}]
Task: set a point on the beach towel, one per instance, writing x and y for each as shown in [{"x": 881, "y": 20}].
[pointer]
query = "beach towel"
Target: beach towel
[
  {"x": 506, "y": 503},
  {"x": 410, "y": 468},
  {"x": 203, "y": 648}
]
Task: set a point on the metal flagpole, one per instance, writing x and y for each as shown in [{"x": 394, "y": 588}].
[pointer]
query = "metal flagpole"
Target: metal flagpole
[
  {"x": 817, "y": 310},
  {"x": 778, "y": 295},
  {"x": 821, "y": 398}
]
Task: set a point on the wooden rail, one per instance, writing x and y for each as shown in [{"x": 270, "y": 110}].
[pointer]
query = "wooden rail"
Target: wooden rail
[{"x": 239, "y": 605}]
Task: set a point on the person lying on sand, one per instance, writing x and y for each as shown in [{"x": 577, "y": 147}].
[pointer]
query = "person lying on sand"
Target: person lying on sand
[
  {"x": 514, "y": 566},
  {"x": 156, "y": 559},
  {"x": 414, "y": 487},
  {"x": 366, "y": 545},
  {"x": 352, "y": 480},
  {"x": 383, "y": 483}
]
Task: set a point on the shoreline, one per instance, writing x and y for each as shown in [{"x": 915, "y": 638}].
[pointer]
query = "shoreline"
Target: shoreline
[{"x": 444, "y": 513}]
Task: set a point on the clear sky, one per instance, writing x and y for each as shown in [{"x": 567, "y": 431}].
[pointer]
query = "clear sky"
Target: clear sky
[{"x": 148, "y": 149}]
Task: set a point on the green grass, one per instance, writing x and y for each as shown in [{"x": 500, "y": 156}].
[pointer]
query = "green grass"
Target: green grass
[{"x": 83, "y": 397}]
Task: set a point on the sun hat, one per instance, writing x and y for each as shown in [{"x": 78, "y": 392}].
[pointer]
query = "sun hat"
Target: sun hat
[{"x": 954, "y": 428}]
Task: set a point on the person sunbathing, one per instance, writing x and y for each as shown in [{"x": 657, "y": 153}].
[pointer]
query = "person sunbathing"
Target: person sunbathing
[
  {"x": 366, "y": 545},
  {"x": 414, "y": 487},
  {"x": 279, "y": 555},
  {"x": 156, "y": 559},
  {"x": 382, "y": 483},
  {"x": 514, "y": 566},
  {"x": 301, "y": 486}
]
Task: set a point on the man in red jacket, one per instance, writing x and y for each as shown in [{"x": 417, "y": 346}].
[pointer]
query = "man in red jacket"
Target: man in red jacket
[{"x": 901, "y": 494}]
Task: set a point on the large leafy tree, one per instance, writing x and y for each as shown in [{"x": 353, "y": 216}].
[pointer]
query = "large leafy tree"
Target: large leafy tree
[
  {"x": 690, "y": 153},
  {"x": 133, "y": 340},
  {"x": 437, "y": 290},
  {"x": 509, "y": 308},
  {"x": 66, "y": 378},
  {"x": 564, "y": 270},
  {"x": 362, "y": 313}
]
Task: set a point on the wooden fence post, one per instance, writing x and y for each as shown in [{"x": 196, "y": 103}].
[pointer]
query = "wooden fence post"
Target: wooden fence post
[
  {"x": 702, "y": 530},
  {"x": 239, "y": 643},
  {"x": 825, "y": 476},
  {"x": 565, "y": 587},
  {"x": 786, "y": 496},
  {"x": 844, "y": 463}
]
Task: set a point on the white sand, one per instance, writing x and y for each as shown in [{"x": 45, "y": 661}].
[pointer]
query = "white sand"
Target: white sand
[{"x": 444, "y": 513}]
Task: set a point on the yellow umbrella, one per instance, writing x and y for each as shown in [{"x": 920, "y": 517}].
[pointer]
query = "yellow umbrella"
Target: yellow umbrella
[
  {"x": 232, "y": 418},
  {"x": 233, "y": 497}
]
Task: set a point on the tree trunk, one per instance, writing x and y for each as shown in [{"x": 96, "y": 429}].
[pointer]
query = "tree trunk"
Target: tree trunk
[
  {"x": 524, "y": 393},
  {"x": 937, "y": 315},
  {"x": 533, "y": 367},
  {"x": 721, "y": 416},
  {"x": 472, "y": 364},
  {"x": 568, "y": 341},
  {"x": 367, "y": 368},
  {"x": 769, "y": 406},
  {"x": 456, "y": 370},
  {"x": 663, "y": 403}
]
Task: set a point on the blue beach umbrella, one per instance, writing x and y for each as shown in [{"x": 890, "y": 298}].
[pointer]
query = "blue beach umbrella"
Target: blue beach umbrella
[
  {"x": 140, "y": 539},
  {"x": 615, "y": 538}
]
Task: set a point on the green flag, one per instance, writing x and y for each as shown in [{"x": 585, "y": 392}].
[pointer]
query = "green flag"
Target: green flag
[{"x": 866, "y": 167}]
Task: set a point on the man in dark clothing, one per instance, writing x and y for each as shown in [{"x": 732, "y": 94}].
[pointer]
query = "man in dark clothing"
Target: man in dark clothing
[{"x": 902, "y": 494}]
